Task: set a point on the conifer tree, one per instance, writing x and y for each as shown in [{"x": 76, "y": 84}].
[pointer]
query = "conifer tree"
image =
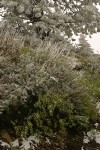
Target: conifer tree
[
  {"x": 52, "y": 17},
  {"x": 84, "y": 47}
]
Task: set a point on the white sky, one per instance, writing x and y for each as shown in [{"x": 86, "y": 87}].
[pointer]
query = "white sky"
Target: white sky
[{"x": 95, "y": 42}]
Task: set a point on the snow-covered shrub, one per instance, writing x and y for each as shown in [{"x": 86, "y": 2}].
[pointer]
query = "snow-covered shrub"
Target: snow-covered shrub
[{"x": 37, "y": 79}]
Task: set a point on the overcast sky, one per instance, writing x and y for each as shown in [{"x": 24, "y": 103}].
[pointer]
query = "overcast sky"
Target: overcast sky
[{"x": 95, "y": 42}]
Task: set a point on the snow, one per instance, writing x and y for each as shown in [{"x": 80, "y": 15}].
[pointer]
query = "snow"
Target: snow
[
  {"x": 96, "y": 125},
  {"x": 4, "y": 144},
  {"x": 33, "y": 138},
  {"x": 82, "y": 148},
  {"x": 15, "y": 143},
  {"x": 92, "y": 135},
  {"x": 26, "y": 143},
  {"x": 48, "y": 141},
  {"x": 97, "y": 138},
  {"x": 86, "y": 140}
]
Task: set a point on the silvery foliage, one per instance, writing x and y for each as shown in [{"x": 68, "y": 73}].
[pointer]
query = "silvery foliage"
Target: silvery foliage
[
  {"x": 35, "y": 68},
  {"x": 52, "y": 17}
]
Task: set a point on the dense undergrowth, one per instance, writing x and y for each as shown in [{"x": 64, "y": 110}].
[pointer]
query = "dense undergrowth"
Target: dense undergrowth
[
  {"x": 43, "y": 89},
  {"x": 49, "y": 87}
]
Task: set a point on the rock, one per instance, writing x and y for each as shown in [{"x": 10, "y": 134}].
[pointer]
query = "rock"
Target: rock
[{"x": 7, "y": 137}]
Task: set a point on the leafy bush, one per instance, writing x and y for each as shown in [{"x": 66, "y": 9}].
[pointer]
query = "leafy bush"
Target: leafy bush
[
  {"x": 41, "y": 91},
  {"x": 54, "y": 112}
]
